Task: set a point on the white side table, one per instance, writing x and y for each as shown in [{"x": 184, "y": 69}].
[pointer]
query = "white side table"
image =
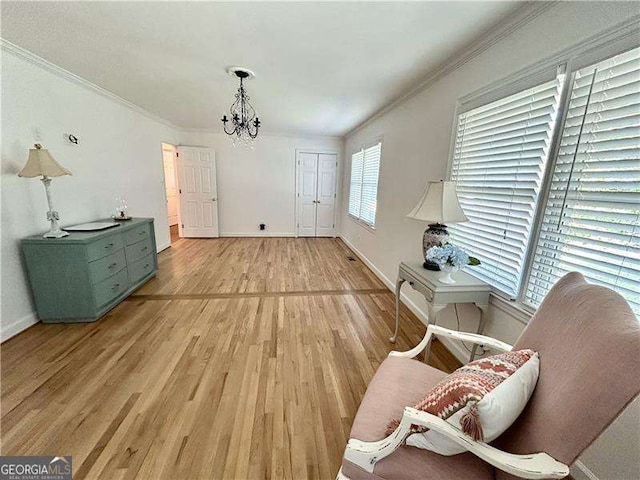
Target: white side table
[{"x": 467, "y": 289}]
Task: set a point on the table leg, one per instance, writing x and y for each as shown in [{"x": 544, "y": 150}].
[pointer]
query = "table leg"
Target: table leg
[
  {"x": 483, "y": 320},
  {"x": 399, "y": 283},
  {"x": 433, "y": 311}
]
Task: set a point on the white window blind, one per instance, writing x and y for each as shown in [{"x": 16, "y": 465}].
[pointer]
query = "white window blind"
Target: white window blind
[
  {"x": 363, "y": 193},
  {"x": 591, "y": 222},
  {"x": 355, "y": 189},
  {"x": 499, "y": 157}
]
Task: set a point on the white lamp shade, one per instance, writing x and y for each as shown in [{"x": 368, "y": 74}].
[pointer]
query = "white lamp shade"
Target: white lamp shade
[
  {"x": 40, "y": 162},
  {"x": 439, "y": 204}
]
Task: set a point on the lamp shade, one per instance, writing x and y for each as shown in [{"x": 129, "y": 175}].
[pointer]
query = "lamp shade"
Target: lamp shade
[
  {"x": 40, "y": 162},
  {"x": 439, "y": 204}
]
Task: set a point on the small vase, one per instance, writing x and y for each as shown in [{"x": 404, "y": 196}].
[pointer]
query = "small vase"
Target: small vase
[{"x": 445, "y": 277}]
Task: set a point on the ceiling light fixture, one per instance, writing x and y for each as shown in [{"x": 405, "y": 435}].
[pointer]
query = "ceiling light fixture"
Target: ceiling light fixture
[{"x": 244, "y": 120}]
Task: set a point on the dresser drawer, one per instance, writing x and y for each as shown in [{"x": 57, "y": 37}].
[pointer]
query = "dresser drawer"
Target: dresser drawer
[
  {"x": 112, "y": 287},
  {"x": 142, "y": 232},
  {"x": 103, "y": 247},
  {"x": 140, "y": 269},
  {"x": 107, "y": 266},
  {"x": 138, "y": 250}
]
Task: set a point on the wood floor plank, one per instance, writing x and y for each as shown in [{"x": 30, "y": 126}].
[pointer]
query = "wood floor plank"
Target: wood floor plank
[{"x": 245, "y": 358}]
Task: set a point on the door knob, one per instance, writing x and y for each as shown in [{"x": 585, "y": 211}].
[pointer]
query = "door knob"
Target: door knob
[
  {"x": 317, "y": 201},
  {"x": 214, "y": 199}
]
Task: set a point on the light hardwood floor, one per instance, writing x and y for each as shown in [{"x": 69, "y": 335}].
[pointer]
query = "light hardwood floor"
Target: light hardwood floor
[{"x": 243, "y": 359}]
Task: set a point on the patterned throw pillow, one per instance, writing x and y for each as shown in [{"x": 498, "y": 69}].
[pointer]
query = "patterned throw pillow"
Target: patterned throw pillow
[{"x": 482, "y": 398}]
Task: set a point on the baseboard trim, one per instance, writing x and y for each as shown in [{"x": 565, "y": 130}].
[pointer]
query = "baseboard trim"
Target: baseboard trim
[
  {"x": 163, "y": 247},
  {"x": 579, "y": 471},
  {"x": 18, "y": 326},
  {"x": 257, "y": 235},
  {"x": 457, "y": 350}
]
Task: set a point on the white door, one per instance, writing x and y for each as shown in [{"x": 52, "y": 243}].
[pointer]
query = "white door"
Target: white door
[
  {"x": 170, "y": 186},
  {"x": 326, "y": 196},
  {"x": 198, "y": 192},
  {"x": 307, "y": 187},
  {"x": 317, "y": 175}
]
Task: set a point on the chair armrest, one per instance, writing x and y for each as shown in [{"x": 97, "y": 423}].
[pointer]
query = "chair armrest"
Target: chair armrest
[
  {"x": 532, "y": 466},
  {"x": 445, "y": 332}
]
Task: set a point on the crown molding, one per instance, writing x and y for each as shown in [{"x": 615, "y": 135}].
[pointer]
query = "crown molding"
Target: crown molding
[
  {"x": 13, "y": 49},
  {"x": 610, "y": 42},
  {"x": 512, "y": 23}
]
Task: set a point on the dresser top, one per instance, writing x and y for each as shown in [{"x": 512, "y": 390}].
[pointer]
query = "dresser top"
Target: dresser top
[
  {"x": 464, "y": 281},
  {"x": 87, "y": 237}
]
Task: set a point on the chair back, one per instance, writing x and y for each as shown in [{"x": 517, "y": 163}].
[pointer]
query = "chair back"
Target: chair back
[{"x": 589, "y": 344}]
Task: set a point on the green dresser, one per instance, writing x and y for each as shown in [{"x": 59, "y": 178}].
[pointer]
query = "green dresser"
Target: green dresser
[{"x": 80, "y": 277}]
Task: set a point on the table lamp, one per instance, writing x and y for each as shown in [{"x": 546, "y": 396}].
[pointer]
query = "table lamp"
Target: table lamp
[
  {"x": 438, "y": 205},
  {"x": 40, "y": 162}
]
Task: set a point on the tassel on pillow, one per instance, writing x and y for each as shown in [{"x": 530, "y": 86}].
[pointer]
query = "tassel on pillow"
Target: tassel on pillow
[
  {"x": 391, "y": 427},
  {"x": 470, "y": 423}
]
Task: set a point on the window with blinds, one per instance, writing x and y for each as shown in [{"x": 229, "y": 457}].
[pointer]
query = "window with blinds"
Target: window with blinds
[
  {"x": 498, "y": 164},
  {"x": 363, "y": 191},
  {"x": 591, "y": 222}
]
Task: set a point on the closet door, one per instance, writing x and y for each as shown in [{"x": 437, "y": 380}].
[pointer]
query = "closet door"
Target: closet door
[
  {"x": 307, "y": 189},
  {"x": 326, "y": 195}
]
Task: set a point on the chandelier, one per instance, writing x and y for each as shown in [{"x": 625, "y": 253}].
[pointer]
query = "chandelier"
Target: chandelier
[{"x": 244, "y": 122}]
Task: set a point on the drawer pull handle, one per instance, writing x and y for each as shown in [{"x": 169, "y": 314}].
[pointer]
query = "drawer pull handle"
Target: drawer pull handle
[
  {"x": 141, "y": 233},
  {"x": 108, "y": 245},
  {"x": 112, "y": 265},
  {"x": 144, "y": 248},
  {"x": 115, "y": 286},
  {"x": 146, "y": 266}
]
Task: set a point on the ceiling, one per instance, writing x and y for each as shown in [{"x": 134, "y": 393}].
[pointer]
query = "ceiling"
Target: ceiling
[{"x": 321, "y": 68}]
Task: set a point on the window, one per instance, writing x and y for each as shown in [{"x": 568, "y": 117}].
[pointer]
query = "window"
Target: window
[
  {"x": 589, "y": 217},
  {"x": 591, "y": 221},
  {"x": 498, "y": 163},
  {"x": 363, "y": 191}
]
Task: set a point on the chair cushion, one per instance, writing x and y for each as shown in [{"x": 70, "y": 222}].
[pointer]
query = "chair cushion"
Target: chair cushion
[{"x": 401, "y": 382}]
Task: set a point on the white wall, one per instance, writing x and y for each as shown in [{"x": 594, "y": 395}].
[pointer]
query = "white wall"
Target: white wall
[
  {"x": 416, "y": 140},
  {"x": 258, "y": 185},
  {"x": 119, "y": 154}
]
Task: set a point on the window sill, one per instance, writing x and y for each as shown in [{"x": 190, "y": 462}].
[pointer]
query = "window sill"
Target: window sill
[
  {"x": 521, "y": 313},
  {"x": 514, "y": 308},
  {"x": 365, "y": 225}
]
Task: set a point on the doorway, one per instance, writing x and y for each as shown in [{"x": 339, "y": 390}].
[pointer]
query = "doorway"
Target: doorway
[
  {"x": 316, "y": 193},
  {"x": 169, "y": 156}
]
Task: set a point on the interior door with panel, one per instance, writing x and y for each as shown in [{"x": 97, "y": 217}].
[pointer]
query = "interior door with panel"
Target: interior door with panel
[
  {"x": 198, "y": 192},
  {"x": 326, "y": 195},
  {"x": 307, "y": 189}
]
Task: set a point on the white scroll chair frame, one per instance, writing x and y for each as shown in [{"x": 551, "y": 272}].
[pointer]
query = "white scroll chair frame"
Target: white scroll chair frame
[{"x": 533, "y": 466}]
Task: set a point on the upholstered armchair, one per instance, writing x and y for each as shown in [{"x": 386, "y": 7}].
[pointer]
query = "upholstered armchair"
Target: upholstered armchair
[{"x": 589, "y": 342}]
